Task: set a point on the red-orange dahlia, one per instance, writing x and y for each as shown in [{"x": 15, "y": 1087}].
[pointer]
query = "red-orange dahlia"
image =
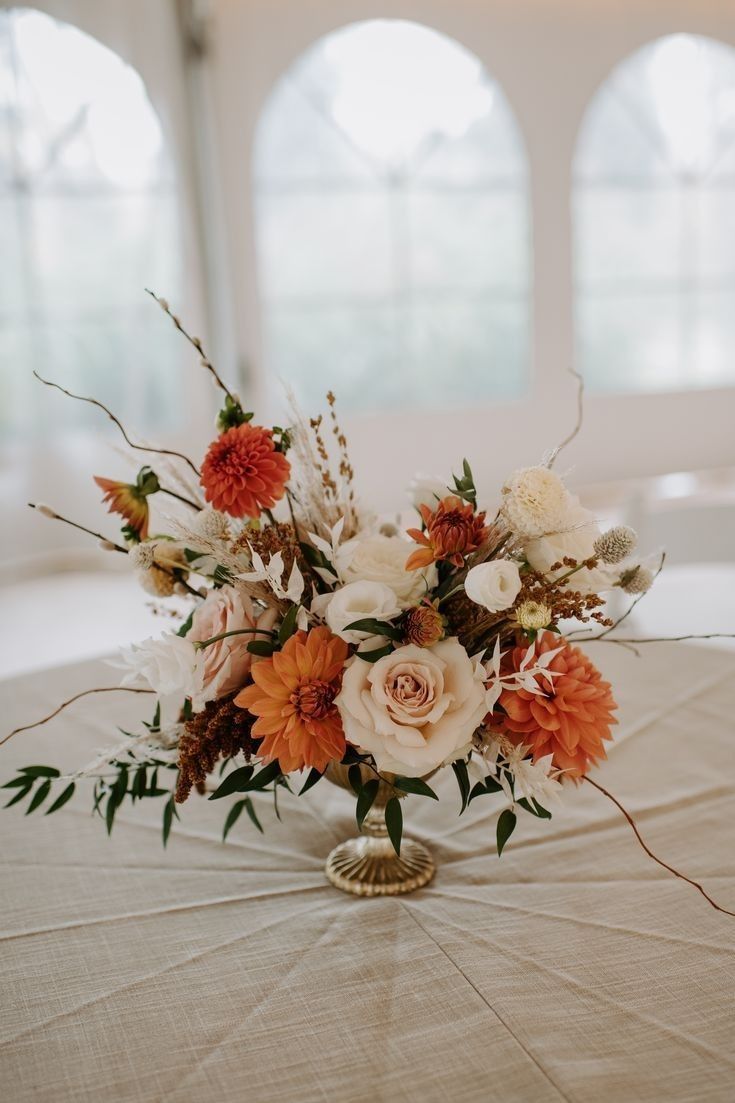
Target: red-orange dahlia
[
  {"x": 242, "y": 473},
  {"x": 453, "y": 530},
  {"x": 293, "y": 696},
  {"x": 569, "y": 720}
]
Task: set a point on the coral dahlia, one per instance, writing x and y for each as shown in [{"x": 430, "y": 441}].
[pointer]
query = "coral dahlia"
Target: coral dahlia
[
  {"x": 569, "y": 720},
  {"x": 242, "y": 473},
  {"x": 293, "y": 695},
  {"x": 453, "y": 530}
]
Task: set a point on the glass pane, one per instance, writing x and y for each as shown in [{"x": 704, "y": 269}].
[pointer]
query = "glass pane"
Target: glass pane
[
  {"x": 654, "y": 210},
  {"x": 392, "y": 224}
]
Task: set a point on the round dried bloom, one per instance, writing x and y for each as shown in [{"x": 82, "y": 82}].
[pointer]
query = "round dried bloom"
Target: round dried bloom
[
  {"x": 616, "y": 544},
  {"x": 533, "y": 616},
  {"x": 453, "y": 531},
  {"x": 423, "y": 625},
  {"x": 535, "y": 501},
  {"x": 142, "y": 555},
  {"x": 212, "y": 524},
  {"x": 156, "y": 581},
  {"x": 637, "y": 580},
  {"x": 293, "y": 697},
  {"x": 414, "y": 709},
  {"x": 569, "y": 719},
  {"x": 242, "y": 473}
]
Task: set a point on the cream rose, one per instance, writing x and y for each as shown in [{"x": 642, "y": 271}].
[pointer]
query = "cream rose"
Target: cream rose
[
  {"x": 356, "y": 601},
  {"x": 576, "y": 539},
  {"x": 226, "y": 664},
  {"x": 381, "y": 558},
  {"x": 414, "y": 709},
  {"x": 494, "y": 585}
]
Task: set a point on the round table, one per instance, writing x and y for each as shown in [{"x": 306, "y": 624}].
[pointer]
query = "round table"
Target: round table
[{"x": 572, "y": 968}]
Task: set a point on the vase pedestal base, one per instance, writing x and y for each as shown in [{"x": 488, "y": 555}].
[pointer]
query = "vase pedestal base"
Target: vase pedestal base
[{"x": 369, "y": 866}]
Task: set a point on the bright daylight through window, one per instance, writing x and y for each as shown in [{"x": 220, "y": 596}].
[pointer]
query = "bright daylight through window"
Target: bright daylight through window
[
  {"x": 655, "y": 221},
  {"x": 88, "y": 218},
  {"x": 392, "y": 224}
]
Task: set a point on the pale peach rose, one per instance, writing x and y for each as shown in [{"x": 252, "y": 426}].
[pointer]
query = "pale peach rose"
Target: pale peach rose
[
  {"x": 414, "y": 709},
  {"x": 226, "y": 664}
]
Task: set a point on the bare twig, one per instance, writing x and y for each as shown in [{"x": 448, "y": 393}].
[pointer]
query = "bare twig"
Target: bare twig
[
  {"x": 633, "y": 604},
  {"x": 116, "y": 420},
  {"x": 71, "y": 700},
  {"x": 580, "y": 417},
  {"x": 195, "y": 343},
  {"x": 54, "y": 516},
  {"x": 662, "y": 639},
  {"x": 648, "y": 850}
]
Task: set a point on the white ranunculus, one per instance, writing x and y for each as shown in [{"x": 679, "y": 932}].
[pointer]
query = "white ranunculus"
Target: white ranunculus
[
  {"x": 494, "y": 585},
  {"x": 575, "y": 539},
  {"x": 535, "y": 501},
  {"x": 415, "y": 709},
  {"x": 356, "y": 601},
  {"x": 378, "y": 558},
  {"x": 427, "y": 490},
  {"x": 171, "y": 666}
]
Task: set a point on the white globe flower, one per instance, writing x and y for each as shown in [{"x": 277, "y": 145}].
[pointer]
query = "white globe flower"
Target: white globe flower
[
  {"x": 379, "y": 558},
  {"x": 535, "y": 501},
  {"x": 356, "y": 601},
  {"x": 494, "y": 585},
  {"x": 415, "y": 709}
]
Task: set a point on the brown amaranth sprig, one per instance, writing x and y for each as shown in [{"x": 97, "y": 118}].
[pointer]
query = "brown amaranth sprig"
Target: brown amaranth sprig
[{"x": 221, "y": 730}]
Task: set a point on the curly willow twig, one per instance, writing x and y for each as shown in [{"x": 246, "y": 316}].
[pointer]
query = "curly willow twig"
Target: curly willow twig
[{"x": 65, "y": 704}]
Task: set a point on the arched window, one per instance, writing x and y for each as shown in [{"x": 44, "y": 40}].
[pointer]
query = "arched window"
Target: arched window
[
  {"x": 392, "y": 226},
  {"x": 654, "y": 202},
  {"x": 88, "y": 219}
]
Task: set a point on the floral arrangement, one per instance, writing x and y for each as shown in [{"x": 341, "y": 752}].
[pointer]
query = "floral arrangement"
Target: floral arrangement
[{"x": 320, "y": 638}]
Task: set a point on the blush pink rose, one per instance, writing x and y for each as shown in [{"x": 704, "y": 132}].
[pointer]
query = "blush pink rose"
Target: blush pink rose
[{"x": 226, "y": 664}]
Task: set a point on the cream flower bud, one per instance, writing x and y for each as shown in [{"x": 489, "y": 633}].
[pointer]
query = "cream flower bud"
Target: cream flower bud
[
  {"x": 494, "y": 585},
  {"x": 637, "y": 580},
  {"x": 616, "y": 544},
  {"x": 533, "y": 615},
  {"x": 212, "y": 524},
  {"x": 142, "y": 556}
]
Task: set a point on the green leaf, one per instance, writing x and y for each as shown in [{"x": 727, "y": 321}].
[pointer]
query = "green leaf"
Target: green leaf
[
  {"x": 40, "y": 771},
  {"x": 463, "y": 781},
  {"x": 534, "y": 808},
  {"x": 268, "y": 774},
  {"x": 311, "y": 780},
  {"x": 365, "y": 799},
  {"x": 414, "y": 785},
  {"x": 394, "y": 822},
  {"x": 39, "y": 796},
  {"x": 233, "y": 782},
  {"x": 288, "y": 625},
  {"x": 21, "y": 793},
  {"x": 168, "y": 818},
  {"x": 61, "y": 800},
  {"x": 250, "y": 809},
  {"x": 264, "y": 648},
  {"x": 354, "y": 775},
  {"x": 376, "y": 628},
  {"x": 377, "y": 653},
  {"x": 15, "y": 783},
  {"x": 232, "y": 817},
  {"x": 186, "y": 625},
  {"x": 506, "y": 827}
]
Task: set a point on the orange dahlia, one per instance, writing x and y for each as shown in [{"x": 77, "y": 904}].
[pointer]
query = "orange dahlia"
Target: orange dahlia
[
  {"x": 242, "y": 473},
  {"x": 130, "y": 500},
  {"x": 570, "y": 719},
  {"x": 453, "y": 530},
  {"x": 293, "y": 696}
]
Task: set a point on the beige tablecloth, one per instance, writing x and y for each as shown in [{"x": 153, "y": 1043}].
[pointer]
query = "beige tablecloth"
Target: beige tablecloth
[{"x": 572, "y": 968}]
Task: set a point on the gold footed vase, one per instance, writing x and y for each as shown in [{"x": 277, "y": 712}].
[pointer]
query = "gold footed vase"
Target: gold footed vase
[{"x": 368, "y": 865}]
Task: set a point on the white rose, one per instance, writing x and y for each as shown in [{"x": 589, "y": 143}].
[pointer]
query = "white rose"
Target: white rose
[
  {"x": 415, "y": 709},
  {"x": 171, "y": 666},
  {"x": 535, "y": 501},
  {"x": 494, "y": 585},
  {"x": 356, "y": 601},
  {"x": 427, "y": 490},
  {"x": 380, "y": 558},
  {"x": 575, "y": 539}
]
